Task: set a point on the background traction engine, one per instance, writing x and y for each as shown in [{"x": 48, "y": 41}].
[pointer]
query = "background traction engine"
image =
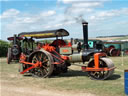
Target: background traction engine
[
  {"x": 54, "y": 58},
  {"x": 15, "y": 50}
]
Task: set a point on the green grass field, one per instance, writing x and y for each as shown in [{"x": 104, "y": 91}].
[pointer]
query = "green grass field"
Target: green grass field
[{"x": 75, "y": 80}]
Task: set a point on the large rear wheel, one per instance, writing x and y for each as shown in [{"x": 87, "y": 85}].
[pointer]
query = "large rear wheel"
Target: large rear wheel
[
  {"x": 46, "y": 68},
  {"x": 101, "y": 75},
  {"x": 115, "y": 52}
]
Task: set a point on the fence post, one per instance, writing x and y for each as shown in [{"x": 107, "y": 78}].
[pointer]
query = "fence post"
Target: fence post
[{"x": 122, "y": 55}]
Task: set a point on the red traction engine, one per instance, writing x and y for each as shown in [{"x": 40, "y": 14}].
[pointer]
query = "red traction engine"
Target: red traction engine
[
  {"x": 15, "y": 50},
  {"x": 54, "y": 58}
]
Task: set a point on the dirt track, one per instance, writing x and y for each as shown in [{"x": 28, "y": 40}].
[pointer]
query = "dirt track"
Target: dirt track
[
  {"x": 11, "y": 90},
  {"x": 11, "y": 87}
]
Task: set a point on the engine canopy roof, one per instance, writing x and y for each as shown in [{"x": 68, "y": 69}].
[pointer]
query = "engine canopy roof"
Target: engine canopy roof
[{"x": 45, "y": 34}]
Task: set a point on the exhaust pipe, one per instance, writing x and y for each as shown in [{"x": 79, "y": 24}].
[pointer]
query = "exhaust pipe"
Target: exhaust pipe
[
  {"x": 83, "y": 56},
  {"x": 14, "y": 42},
  {"x": 85, "y": 34}
]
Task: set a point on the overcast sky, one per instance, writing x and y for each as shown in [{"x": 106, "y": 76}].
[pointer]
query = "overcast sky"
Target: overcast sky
[{"x": 105, "y": 17}]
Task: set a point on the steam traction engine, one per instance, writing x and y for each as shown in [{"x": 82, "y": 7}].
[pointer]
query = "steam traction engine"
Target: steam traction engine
[
  {"x": 15, "y": 50},
  {"x": 54, "y": 58}
]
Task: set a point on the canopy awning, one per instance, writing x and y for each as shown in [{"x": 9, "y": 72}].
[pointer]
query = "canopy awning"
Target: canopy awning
[
  {"x": 45, "y": 34},
  {"x": 12, "y": 38}
]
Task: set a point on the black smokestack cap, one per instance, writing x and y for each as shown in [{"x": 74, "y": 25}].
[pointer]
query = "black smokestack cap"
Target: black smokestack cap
[{"x": 85, "y": 34}]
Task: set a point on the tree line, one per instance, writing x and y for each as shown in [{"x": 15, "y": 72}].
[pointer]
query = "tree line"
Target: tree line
[{"x": 3, "y": 48}]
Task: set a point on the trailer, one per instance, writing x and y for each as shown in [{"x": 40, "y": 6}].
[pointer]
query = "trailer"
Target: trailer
[{"x": 114, "y": 48}]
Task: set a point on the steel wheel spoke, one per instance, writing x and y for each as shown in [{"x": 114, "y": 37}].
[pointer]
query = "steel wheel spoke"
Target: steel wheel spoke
[
  {"x": 45, "y": 61},
  {"x": 41, "y": 71},
  {"x": 45, "y": 70}
]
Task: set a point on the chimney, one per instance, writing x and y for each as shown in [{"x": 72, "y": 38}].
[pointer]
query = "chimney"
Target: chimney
[
  {"x": 85, "y": 34},
  {"x": 14, "y": 42}
]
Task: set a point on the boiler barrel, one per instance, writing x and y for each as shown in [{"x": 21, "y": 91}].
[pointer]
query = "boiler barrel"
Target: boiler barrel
[
  {"x": 79, "y": 57},
  {"x": 76, "y": 57}
]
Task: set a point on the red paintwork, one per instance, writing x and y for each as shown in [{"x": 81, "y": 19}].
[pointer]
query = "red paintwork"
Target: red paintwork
[
  {"x": 34, "y": 65},
  {"x": 48, "y": 48},
  {"x": 69, "y": 44},
  {"x": 51, "y": 49},
  {"x": 96, "y": 62},
  {"x": 98, "y": 69},
  {"x": 65, "y": 57},
  {"x": 22, "y": 57},
  {"x": 12, "y": 38},
  {"x": 126, "y": 52},
  {"x": 96, "y": 59},
  {"x": 58, "y": 42},
  {"x": 27, "y": 69}
]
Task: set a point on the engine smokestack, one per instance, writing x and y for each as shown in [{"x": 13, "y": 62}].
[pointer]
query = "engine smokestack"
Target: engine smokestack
[
  {"x": 14, "y": 42},
  {"x": 85, "y": 34}
]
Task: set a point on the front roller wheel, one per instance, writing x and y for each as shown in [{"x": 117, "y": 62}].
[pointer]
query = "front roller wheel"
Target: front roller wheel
[
  {"x": 101, "y": 75},
  {"x": 46, "y": 68}
]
